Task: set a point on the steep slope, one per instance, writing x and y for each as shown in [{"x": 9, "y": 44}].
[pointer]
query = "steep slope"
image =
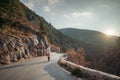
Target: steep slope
[
  {"x": 20, "y": 37},
  {"x": 25, "y": 34}
]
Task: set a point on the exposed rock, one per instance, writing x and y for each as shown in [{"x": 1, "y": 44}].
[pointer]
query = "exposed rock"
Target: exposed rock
[
  {"x": 14, "y": 48},
  {"x": 24, "y": 34},
  {"x": 55, "y": 48}
]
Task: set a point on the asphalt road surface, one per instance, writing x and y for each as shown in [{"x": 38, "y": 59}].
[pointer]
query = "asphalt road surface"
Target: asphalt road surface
[{"x": 36, "y": 69}]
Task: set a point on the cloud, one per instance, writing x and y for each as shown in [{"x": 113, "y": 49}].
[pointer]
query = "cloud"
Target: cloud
[
  {"x": 51, "y": 5},
  {"x": 30, "y": 5},
  {"x": 87, "y": 13},
  {"x": 79, "y": 18},
  {"x": 79, "y": 14},
  {"x": 46, "y": 9},
  {"x": 76, "y": 14},
  {"x": 53, "y": 14},
  {"x": 52, "y": 2},
  {"x": 44, "y": 5}
]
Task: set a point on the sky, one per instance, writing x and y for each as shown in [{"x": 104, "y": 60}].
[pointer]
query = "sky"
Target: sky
[{"x": 100, "y": 15}]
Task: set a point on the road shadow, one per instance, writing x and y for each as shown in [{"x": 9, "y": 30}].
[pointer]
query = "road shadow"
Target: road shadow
[
  {"x": 55, "y": 71},
  {"x": 21, "y": 65}
]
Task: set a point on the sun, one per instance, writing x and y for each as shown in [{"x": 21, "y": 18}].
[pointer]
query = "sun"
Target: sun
[{"x": 109, "y": 32}]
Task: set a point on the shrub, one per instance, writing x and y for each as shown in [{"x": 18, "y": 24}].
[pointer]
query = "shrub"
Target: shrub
[
  {"x": 77, "y": 72},
  {"x": 77, "y": 57}
]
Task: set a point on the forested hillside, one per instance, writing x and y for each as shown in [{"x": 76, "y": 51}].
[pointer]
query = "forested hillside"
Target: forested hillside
[
  {"x": 107, "y": 56},
  {"x": 24, "y": 34},
  {"x": 90, "y": 36}
]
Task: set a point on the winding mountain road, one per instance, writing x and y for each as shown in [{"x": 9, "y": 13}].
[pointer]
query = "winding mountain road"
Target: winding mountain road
[{"x": 36, "y": 69}]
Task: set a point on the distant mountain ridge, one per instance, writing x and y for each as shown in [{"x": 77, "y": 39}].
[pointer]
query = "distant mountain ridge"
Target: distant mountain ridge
[{"x": 90, "y": 36}]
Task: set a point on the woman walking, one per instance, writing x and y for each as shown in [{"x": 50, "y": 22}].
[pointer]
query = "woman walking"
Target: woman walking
[{"x": 48, "y": 52}]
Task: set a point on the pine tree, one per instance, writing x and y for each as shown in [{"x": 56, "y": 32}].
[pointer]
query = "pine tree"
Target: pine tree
[
  {"x": 118, "y": 42},
  {"x": 42, "y": 28}
]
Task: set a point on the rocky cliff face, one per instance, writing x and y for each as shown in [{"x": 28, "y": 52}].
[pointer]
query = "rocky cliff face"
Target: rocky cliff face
[
  {"x": 21, "y": 33},
  {"x": 24, "y": 34},
  {"x": 16, "y": 45}
]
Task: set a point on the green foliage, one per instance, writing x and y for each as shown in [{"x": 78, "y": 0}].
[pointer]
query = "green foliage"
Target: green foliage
[
  {"x": 9, "y": 3},
  {"x": 5, "y": 2},
  {"x": 64, "y": 48},
  {"x": 90, "y": 37},
  {"x": 29, "y": 15},
  {"x": 95, "y": 43},
  {"x": 77, "y": 72},
  {"x": 22, "y": 18},
  {"x": 118, "y": 42},
  {"x": 43, "y": 28}
]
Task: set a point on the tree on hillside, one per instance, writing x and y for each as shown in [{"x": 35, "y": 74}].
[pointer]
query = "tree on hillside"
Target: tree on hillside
[
  {"x": 118, "y": 42},
  {"x": 77, "y": 56},
  {"x": 43, "y": 29},
  {"x": 109, "y": 61}
]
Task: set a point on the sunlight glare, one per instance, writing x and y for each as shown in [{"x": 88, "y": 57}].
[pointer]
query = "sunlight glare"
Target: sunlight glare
[{"x": 109, "y": 32}]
